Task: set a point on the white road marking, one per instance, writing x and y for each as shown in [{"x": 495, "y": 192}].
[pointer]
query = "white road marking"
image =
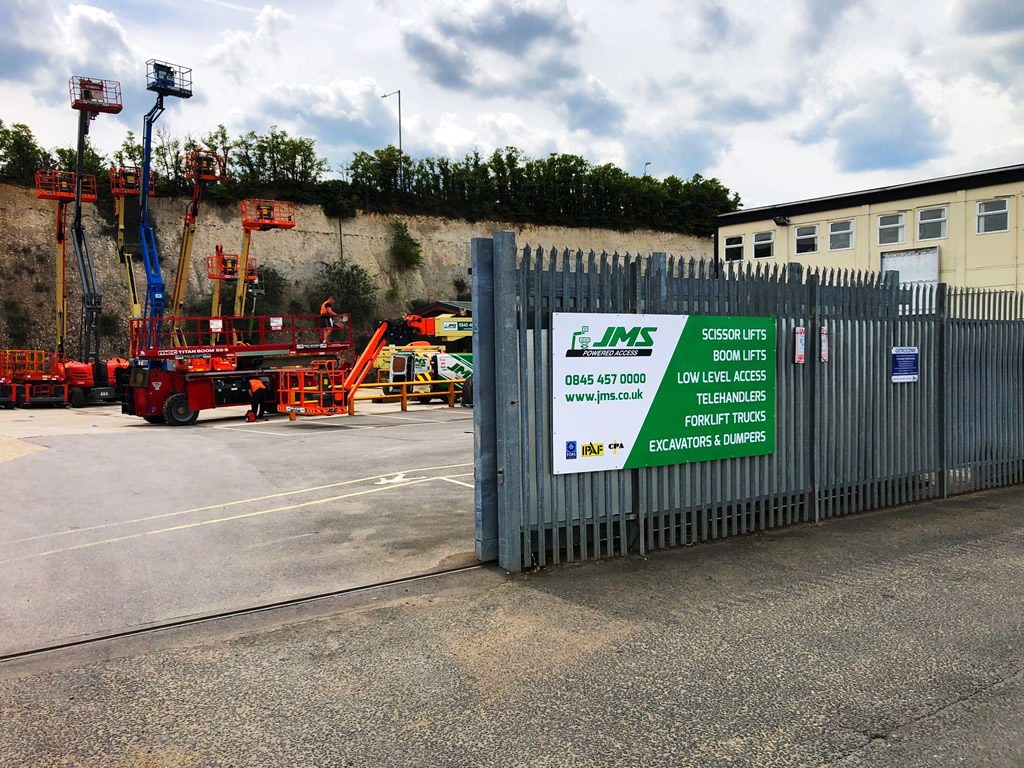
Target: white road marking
[
  {"x": 215, "y": 521},
  {"x": 457, "y": 482},
  {"x": 399, "y": 478},
  {"x": 259, "y": 431},
  {"x": 227, "y": 504}
]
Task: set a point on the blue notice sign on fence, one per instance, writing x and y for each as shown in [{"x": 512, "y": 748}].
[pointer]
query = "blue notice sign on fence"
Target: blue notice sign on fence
[{"x": 906, "y": 364}]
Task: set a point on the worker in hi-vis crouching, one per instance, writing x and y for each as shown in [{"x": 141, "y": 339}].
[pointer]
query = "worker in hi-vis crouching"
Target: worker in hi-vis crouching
[{"x": 258, "y": 394}]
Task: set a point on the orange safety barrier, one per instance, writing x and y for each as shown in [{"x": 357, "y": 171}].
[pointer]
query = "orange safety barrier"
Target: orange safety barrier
[
  {"x": 323, "y": 392},
  {"x": 60, "y": 185},
  {"x": 33, "y": 365},
  {"x": 449, "y": 393},
  {"x": 312, "y": 391},
  {"x": 185, "y": 337}
]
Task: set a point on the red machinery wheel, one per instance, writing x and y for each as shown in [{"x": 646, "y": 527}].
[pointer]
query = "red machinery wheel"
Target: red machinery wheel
[{"x": 177, "y": 412}]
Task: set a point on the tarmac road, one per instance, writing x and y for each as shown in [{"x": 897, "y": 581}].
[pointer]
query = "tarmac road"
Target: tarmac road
[
  {"x": 107, "y": 522},
  {"x": 884, "y": 639}
]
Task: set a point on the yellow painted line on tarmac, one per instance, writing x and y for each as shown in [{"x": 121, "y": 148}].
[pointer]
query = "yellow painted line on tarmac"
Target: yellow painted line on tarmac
[
  {"x": 376, "y": 489},
  {"x": 232, "y": 503}
]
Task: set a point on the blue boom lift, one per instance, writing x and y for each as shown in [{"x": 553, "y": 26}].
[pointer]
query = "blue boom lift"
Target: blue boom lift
[{"x": 165, "y": 80}]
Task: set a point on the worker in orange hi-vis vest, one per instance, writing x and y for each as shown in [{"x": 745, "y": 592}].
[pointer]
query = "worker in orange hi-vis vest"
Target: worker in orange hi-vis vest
[
  {"x": 258, "y": 394},
  {"x": 327, "y": 315}
]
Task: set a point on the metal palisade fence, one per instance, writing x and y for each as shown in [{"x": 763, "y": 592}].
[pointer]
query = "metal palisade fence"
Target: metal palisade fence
[{"x": 847, "y": 438}]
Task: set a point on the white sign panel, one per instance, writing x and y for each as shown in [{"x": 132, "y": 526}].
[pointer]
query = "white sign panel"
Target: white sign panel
[{"x": 653, "y": 390}]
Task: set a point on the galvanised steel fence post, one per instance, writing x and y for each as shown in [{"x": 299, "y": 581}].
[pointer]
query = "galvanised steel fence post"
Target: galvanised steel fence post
[
  {"x": 813, "y": 350},
  {"x": 941, "y": 377},
  {"x": 485, "y": 440},
  {"x": 508, "y": 402},
  {"x": 636, "y": 524}
]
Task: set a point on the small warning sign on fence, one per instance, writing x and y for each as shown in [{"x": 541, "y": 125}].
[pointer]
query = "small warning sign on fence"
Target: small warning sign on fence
[{"x": 906, "y": 365}]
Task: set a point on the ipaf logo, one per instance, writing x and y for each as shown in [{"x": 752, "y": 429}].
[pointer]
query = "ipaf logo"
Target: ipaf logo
[
  {"x": 592, "y": 449},
  {"x": 616, "y": 341}
]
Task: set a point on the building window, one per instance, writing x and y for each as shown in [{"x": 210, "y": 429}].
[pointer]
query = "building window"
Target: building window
[
  {"x": 734, "y": 248},
  {"x": 840, "y": 235},
  {"x": 993, "y": 216},
  {"x": 891, "y": 228},
  {"x": 807, "y": 239},
  {"x": 931, "y": 223},
  {"x": 764, "y": 245}
]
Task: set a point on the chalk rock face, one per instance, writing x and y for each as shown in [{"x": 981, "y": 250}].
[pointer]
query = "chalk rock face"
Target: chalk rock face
[{"x": 28, "y": 251}]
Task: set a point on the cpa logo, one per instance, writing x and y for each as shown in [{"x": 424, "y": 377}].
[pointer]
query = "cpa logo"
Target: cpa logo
[{"x": 570, "y": 449}]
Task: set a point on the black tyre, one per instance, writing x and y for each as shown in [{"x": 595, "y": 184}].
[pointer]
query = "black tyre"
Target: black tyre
[
  {"x": 424, "y": 398},
  {"x": 154, "y": 419},
  {"x": 467, "y": 392},
  {"x": 19, "y": 398},
  {"x": 77, "y": 397},
  {"x": 176, "y": 411}
]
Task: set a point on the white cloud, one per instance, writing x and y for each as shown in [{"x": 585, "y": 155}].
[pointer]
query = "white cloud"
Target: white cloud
[
  {"x": 241, "y": 54},
  {"x": 780, "y": 100}
]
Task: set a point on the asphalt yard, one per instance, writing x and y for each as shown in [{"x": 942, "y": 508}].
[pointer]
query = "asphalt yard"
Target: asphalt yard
[{"x": 109, "y": 523}]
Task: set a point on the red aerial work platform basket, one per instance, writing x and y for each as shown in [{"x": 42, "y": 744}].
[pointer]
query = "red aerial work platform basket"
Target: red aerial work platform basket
[
  {"x": 34, "y": 365},
  {"x": 224, "y": 266},
  {"x": 126, "y": 181},
  {"x": 267, "y": 214},
  {"x": 204, "y": 165},
  {"x": 93, "y": 95},
  {"x": 60, "y": 185}
]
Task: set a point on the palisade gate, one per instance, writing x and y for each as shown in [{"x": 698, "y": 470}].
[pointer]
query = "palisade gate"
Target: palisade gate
[{"x": 783, "y": 396}]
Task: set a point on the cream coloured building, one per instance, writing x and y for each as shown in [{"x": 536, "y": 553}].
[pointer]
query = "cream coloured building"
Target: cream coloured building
[{"x": 964, "y": 230}]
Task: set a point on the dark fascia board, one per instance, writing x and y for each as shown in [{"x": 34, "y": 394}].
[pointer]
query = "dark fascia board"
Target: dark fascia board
[
  {"x": 939, "y": 186},
  {"x": 447, "y": 307}
]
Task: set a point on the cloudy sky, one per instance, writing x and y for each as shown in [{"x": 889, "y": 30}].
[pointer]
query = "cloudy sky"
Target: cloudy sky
[{"x": 781, "y": 100}]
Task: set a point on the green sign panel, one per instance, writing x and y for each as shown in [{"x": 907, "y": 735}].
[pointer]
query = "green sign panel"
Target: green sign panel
[{"x": 651, "y": 390}]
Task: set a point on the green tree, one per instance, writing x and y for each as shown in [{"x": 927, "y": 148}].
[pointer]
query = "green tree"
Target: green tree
[
  {"x": 274, "y": 286},
  {"x": 352, "y": 288},
  {"x": 130, "y": 152},
  {"x": 169, "y": 163},
  {"x": 20, "y": 154},
  {"x": 66, "y": 159},
  {"x": 406, "y": 253}
]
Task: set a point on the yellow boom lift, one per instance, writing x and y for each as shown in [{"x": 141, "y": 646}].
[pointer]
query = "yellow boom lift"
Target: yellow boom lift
[{"x": 203, "y": 168}]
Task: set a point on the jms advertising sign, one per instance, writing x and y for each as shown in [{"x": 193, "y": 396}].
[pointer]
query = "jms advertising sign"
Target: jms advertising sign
[{"x": 652, "y": 390}]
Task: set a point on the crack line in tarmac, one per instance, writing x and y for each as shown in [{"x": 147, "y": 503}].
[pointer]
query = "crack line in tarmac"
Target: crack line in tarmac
[
  {"x": 376, "y": 489},
  {"x": 925, "y": 716},
  {"x": 226, "y": 504}
]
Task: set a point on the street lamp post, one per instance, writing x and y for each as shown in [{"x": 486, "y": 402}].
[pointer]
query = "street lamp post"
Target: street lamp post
[
  {"x": 645, "y": 167},
  {"x": 399, "y": 93}
]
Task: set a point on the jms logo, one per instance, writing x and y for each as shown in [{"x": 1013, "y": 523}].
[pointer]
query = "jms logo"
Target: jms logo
[
  {"x": 616, "y": 341},
  {"x": 592, "y": 449}
]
